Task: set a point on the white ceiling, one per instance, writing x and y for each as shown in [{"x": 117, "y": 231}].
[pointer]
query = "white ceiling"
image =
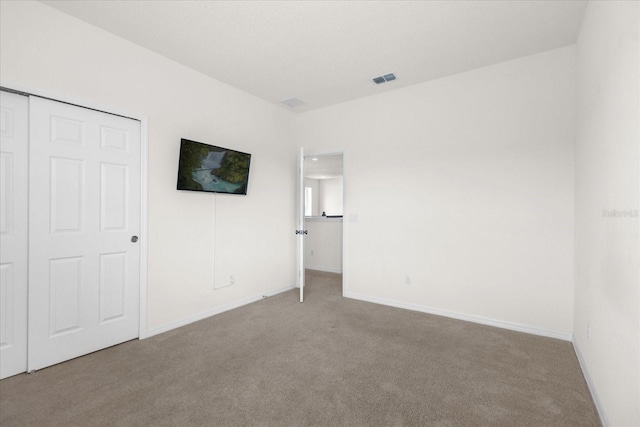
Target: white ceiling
[
  {"x": 323, "y": 167},
  {"x": 327, "y": 52}
]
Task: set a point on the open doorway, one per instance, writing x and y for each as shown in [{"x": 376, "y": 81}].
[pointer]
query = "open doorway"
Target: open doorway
[{"x": 323, "y": 219}]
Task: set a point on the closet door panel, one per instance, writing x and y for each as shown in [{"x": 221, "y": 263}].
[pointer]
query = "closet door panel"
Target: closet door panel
[
  {"x": 14, "y": 178},
  {"x": 84, "y": 264}
]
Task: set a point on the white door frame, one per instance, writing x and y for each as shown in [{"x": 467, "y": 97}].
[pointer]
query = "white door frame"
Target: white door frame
[
  {"x": 300, "y": 231},
  {"x": 144, "y": 176},
  {"x": 345, "y": 208}
]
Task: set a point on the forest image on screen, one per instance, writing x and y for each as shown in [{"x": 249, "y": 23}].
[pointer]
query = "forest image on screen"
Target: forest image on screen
[{"x": 204, "y": 167}]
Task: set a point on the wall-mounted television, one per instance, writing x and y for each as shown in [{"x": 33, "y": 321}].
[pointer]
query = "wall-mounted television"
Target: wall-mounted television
[{"x": 208, "y": 168}]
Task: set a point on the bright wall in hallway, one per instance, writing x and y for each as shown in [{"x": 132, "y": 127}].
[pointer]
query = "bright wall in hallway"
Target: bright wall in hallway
[
  {"x": 331, "y": 196},
  {"x": 323, "y": 244}
]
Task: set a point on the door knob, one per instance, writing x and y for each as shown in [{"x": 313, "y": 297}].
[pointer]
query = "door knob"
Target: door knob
[{"x": 134, "y": 239}]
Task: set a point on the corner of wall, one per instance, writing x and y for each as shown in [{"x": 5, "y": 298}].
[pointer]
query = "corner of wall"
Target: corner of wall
[{"x": 590, "y": 384}]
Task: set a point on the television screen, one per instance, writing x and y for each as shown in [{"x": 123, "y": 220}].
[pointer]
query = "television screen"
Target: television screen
[{"x": 205, "y": 167}]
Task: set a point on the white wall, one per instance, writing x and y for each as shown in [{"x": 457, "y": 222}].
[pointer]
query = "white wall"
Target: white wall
[
  {"x": 326, "y": 195},
  {"x": 465, "y": 184},
  {"x": 46, "y": 51},
  {"x": 331, "y": 196},
  {"x": 607, "y": 172},
  {"x": 323, "y": 244},
  {"x": 314, "y": 184}
]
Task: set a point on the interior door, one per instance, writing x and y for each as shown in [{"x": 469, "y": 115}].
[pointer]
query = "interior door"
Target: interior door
[
  {"x": 14, "y": 178},
  {"x": 300, "y": 231},
  {"x": 84, "y": 218}
]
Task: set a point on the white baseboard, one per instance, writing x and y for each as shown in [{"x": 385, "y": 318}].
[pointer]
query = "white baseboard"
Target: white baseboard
[
  {"x": 565, "y": 336},
  {"x": 213, "y": 312},
  {"x": 590, "y": 384},
  {"x": 326, "y": 269}
]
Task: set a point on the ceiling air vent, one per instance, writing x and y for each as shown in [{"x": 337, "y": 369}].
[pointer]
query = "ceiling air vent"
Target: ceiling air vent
[
  {"x": 385, "y": 78},
  {"x": 292, "y": 102}
]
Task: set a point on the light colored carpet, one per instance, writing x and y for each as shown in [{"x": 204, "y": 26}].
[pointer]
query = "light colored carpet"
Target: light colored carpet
[{"x": 327, "y": 362}]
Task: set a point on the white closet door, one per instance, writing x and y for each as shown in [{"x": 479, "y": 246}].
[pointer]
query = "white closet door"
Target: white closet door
[
  {"x": 14, "y": 178},
  {"x": 84, "y": 213}
]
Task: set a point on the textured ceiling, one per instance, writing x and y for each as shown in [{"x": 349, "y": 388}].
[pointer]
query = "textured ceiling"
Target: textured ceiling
[{"x": 327, "y": 52}]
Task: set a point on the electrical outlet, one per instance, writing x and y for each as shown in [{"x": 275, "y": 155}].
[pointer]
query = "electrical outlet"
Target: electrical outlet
[
  {"x": 312, "y": 251},
  {"x": 232, "y": 279},
  {"x": 407, "y": 280},
  {"x": 588, "y": 332}
]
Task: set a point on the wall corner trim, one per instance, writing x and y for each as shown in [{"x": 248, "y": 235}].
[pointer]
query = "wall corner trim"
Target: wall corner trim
[
  {"x": 565, "y": 336},
  {"x": 590, "y": 384},
  {"x": 217, "y": 310}
]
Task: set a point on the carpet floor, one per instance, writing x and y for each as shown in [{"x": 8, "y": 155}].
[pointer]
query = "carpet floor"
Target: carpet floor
[{"x": 330, "y": 361}]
